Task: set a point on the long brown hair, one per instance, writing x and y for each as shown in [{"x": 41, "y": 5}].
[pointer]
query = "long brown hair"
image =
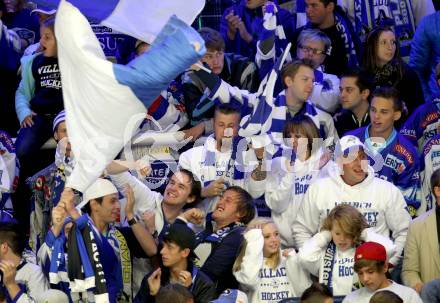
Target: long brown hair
[
  {"x": 370, "y": 55},
  {"x": 272, "y": 261},
  {"x": 349, "y": 219}
]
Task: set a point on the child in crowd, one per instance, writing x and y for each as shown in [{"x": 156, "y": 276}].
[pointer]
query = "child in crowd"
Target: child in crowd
[
  {"x": 330, "y": 253},
  {"x": 263, "y": 270},
  {"x": 39, "y": 97},
  {"x": 385, "y": 296},
  {"x": 371, "y": 265}
]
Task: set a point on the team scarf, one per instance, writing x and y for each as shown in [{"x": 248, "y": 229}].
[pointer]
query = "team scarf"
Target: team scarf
[
  {"x": 208, "y": 235},
  {"x": 329, "y": 263},
  {"x": 235, "y": 167},
  {"x": 367, "y": 16},
  {"x": 83, "y": 242}
]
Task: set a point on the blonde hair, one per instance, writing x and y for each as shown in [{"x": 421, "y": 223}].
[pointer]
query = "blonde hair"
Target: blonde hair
[
  {"x": 273, "y": 261},
  {"x": 349, "y": 219}
]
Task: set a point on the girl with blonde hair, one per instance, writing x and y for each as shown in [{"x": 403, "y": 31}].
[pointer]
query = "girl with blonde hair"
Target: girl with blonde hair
[
  {"x": 329, "y": 254},
  {"x": 264, "y": 272}
]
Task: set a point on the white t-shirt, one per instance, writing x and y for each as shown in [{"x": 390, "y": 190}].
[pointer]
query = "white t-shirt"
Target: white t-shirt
[{"x": 363, "y": 295}]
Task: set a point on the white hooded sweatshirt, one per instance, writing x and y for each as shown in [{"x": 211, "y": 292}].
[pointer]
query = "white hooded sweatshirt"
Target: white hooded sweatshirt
[
  {"x": 285, "y": 191},
  {"x": 264, "y": 284},
  {"x": 381, "y": 203},
  {"x": 312, "y": 258}
]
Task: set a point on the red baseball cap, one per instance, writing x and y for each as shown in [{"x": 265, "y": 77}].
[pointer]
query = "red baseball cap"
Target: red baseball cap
[{"x": 370, "y": 251}]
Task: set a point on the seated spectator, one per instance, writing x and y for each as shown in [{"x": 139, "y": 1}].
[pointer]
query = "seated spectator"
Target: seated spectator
[
  {"x": 260, "y": 256},
  {"x": 43, "y": 13},
  {"x": 371, "y": 265},
  {"x": 403, "y": 19},
  {"x": 421, "y": 261},
  {"x": 355, "y": 91},
  {"x": 385, "y": 296},
  {"x": 240, "y": 25},
  {"x": 393, "y": 158},
  {"x": 217, "y": 163},
  {"x": 352, "y": 182},
  {"x": 424, "y": 122},
  {"x": 317, "y": 293},
  {"x": 178, "y": 267},
  {"x": 232, "y": 68},
  {"x": 219, "y": 243},
  {"x": 288, "y": 179},
  {"x": 112, "y": 248},
  {"x": 383, "y": 62},
  {"x": 425, "y": 54},
  {"x": 329, "y": 255},
  {"x": 268, "y": 117},
  {"x": 39, "y": 98},
  {"x": 429, "y": 163},
  {"x": 175, "y": 293},
  {"x": 315, "y": 46},
  {"x": 21, "y": 281},
  {"x": 327, "y": 17}
]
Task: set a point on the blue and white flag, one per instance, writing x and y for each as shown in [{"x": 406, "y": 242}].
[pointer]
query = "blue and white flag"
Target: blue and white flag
[{"x": 105, "y": 102}]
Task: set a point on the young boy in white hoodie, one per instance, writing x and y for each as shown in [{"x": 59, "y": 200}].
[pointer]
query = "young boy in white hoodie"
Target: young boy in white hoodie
[
  {"x": 353, "y": 182},
  {"x": 329, "y": 255},
  {"x": 264, "y": 272}
]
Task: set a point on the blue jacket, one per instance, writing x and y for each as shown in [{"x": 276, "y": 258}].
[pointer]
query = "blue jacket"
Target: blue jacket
[
  {"x": 397, "y": 162},
  {"x": 425, "y": 53},
  {"x": 423, "y": 124},
  {"x": 253, "y": 20}
]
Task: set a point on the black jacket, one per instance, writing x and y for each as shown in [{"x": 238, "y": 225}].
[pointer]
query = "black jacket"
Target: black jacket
[{"x": 203, "y": 289}]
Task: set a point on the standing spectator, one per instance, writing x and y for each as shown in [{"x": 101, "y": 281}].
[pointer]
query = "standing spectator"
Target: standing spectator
[
  {"x": 219, "y": 243},
  {"x": 232, "y": 68},
  {"x": 403, "y": 16},
  {"x": 21, "y": 281},
  {"x": 217, "y": 163},
  {"x": 425, "y": 54},
  {"x": 288, "y": 180},
  {"x": 326, "y": 16},
  {"x": 355, "y": 92},
  {"x": 371, "y": 265},
  {"x": 424, "y": 123},
  {"x": 382, "y": 61},
  {"x": 353, "y": 182},
  {"x": 329, "y": 255},
  {"x": 421, "y": 261},
  {"x": 241, "y": 22},
  {"x": 260, "y": 256},
  {"x": 177, "y": 267},
  {"x": 393, "y": 158}
]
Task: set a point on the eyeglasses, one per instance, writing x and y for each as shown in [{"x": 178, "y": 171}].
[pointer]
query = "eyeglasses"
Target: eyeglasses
[
  {"x": 314, "y": 51},
  {"x": 212, "y": 55}
]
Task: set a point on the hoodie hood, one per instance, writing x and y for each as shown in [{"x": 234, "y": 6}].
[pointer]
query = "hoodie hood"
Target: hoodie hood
[{"x": 335, "y": 172}]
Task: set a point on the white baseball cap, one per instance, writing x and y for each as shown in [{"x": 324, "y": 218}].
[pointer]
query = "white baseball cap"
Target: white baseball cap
[
  {"x": 101, "y": 188},
  {"x": 347, "y": 144}
]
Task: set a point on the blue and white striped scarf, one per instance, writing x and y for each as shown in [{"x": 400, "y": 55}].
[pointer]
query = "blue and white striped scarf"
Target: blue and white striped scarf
[{"x": 367, "y": 15}]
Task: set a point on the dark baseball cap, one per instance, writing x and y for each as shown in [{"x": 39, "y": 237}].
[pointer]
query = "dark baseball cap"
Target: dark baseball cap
[{"x": 182, "y": 236}]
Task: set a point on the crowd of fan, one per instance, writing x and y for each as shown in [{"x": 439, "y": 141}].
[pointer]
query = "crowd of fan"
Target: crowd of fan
[{"x": 307, "y": 174}]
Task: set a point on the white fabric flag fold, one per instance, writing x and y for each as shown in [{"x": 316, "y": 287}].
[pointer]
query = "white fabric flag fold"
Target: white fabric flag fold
[{"x": 101, "y": 98}]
